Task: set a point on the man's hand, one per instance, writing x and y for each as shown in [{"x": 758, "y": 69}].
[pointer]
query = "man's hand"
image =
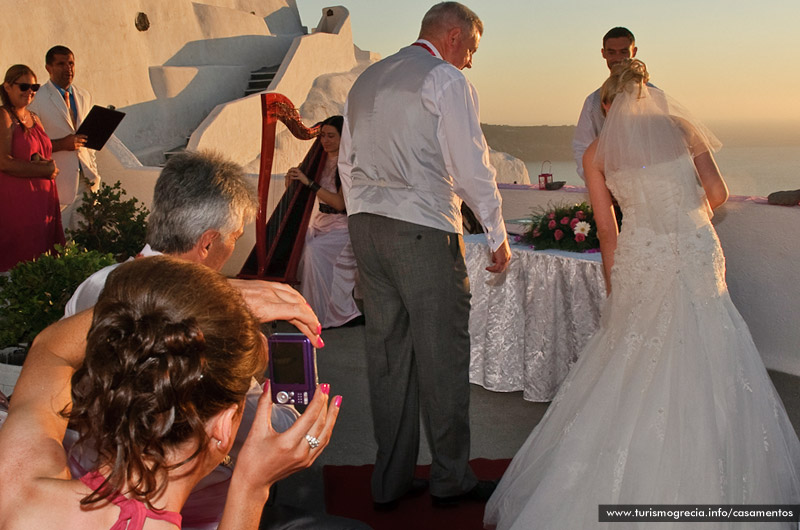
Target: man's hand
[
  {"x": 277, "y": 301},
  {"x": 500, "y": 258},
  {"x": 72, "y": 142},
  {"x": 47, "y": 163}
]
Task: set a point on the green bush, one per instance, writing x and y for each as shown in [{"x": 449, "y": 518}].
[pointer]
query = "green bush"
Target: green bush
[
  {"x": 109, "y": 224},
  {"x": 34, "y": 294}
]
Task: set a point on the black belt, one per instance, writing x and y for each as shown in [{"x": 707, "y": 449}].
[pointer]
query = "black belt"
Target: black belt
[{"x": 324, "y": 208}]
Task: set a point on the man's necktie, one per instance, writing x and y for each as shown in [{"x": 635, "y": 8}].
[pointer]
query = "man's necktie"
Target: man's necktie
[{"x": 69, "y": 107}]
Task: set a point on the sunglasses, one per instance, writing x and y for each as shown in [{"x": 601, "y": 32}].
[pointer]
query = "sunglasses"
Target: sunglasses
[{"x": 24, "y": 87}]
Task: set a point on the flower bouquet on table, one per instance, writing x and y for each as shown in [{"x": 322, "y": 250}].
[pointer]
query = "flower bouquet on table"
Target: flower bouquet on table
[{"x": 564, "y": 227}]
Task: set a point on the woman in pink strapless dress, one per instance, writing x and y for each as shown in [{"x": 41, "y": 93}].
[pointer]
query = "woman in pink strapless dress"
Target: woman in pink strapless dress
[{"x": 30, "y": 216}]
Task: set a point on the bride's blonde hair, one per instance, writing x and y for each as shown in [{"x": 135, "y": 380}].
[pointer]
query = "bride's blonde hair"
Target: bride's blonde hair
[{"x": 627, "y": 72}]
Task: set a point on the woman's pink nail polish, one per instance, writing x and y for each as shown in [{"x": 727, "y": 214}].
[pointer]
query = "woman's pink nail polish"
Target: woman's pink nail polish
[
  {"x": 319, "y": 329},
  {"x": 337, "y": 401},
  {"x": 325, "y": 388},
  {"x": 321, "y": 343},
  {"x": 265, "y": 386}
]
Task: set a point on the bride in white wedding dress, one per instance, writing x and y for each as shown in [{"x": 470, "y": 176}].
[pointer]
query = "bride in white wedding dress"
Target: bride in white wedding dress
[{"x": 669, "y": 403}]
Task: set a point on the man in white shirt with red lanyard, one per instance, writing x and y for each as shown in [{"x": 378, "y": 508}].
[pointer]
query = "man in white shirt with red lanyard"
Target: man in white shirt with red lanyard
[{"x": 411, "y": 150}]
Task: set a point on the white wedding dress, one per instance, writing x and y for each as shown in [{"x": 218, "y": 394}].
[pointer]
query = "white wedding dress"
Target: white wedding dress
[{"x": 669, "y": 403}]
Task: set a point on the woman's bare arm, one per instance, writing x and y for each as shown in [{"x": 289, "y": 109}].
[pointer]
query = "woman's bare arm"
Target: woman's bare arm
[
  {"x": 20, "y": 168},
  {"x": 711, "y": 179},
  {"x": 332, "y": 199},
  {"x": 30, "y": 440},
  {"x": 603, "y": 207}
]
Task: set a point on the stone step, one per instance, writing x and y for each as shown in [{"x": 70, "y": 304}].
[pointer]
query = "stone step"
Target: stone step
[
  {"x": 174, "y": 151},
  {"x": 260, "y": 84},
  {"x": 260, "y": 79},
  {"x": 267, "y": 69}
]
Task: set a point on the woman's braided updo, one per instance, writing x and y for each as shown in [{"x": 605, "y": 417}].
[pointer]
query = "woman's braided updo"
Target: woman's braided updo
[{"x": 171, "y": 345}]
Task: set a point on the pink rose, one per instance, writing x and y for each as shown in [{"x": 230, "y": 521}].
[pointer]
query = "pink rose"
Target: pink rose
[
  {"x": 517, "y": 239},
  {"x": 580, "y": 215},
  {"x": 580, "y": 238},
  {"x": 558, "y": 234},
  {"x": 574, "y": 221},
  {"x": 551, "y": 225},
  {"x": 565, "y": 221},
  {"x": 536, "y": 232},
  {"x": 551, "y": 215}
]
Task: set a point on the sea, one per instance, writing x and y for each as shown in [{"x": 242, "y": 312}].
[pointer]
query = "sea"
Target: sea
[{"x": 749, "y": 171}]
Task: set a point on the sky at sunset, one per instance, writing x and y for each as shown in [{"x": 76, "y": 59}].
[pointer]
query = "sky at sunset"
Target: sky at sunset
[{"x": 726, "y": 60}]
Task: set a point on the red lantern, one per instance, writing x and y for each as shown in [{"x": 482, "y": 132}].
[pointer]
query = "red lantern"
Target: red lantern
[{"x": 546, "y": 178}]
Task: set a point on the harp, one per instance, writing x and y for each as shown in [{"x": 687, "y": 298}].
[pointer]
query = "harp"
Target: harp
[{"x": 279, "y": 240}]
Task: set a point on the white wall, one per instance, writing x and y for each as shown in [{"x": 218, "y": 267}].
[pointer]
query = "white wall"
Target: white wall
[
  {"x": 763, "y": 266},
  {"x": 235, "y": 127},
  {"x": 114, "y": 59}
]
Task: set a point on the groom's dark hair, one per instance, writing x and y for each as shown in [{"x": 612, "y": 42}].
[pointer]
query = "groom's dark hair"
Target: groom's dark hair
[{"x": 619, "y": 31}]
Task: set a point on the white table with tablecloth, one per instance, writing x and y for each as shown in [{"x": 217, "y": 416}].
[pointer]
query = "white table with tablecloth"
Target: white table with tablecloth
[{"x": 528, "y": 324}]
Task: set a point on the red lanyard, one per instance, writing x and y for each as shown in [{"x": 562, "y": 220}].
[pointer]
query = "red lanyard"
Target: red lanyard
[{"x": 423, "y": 45}]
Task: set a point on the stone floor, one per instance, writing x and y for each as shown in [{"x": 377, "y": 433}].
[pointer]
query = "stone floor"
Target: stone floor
[{"x": 500, "y": 421}]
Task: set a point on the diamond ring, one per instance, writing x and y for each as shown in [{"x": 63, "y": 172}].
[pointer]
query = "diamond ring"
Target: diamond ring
[{"x": 312, "y": 442}]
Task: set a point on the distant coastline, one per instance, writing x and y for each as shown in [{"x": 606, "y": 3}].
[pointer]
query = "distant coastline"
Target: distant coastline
[
  {"x": 533, "y": 142},
  {"x": 755, "y": 159},
  {"x": 554, "y": 142}
]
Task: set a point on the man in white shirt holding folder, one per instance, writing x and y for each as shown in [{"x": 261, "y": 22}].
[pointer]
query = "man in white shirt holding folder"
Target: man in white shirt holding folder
[{"x": 62, "y": 107}]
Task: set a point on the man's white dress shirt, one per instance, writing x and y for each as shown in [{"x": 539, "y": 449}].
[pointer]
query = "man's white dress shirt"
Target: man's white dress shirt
[{"x": 388, "y": 179}]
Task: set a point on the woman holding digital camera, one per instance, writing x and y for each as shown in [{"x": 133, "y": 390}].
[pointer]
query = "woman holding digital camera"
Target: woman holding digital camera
[
  {"x": 30, "y": 215},
  {"x": 156, "y": 388}
]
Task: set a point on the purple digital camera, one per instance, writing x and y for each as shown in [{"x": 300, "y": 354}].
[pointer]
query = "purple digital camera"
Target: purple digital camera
[{"x": 292, "y": 368}]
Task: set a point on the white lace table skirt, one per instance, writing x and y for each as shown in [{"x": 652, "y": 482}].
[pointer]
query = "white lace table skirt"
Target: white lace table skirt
[{"x": 528, "y": 325}]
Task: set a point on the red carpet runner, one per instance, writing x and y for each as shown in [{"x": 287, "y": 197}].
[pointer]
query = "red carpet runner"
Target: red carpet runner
[{"x": 347, "y": 494}]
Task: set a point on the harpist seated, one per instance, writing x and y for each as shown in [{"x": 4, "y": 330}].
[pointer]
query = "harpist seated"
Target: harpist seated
[{"x": 327, "y": 269}]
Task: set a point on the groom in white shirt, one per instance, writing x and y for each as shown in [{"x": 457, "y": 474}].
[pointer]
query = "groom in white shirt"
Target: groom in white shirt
[
  {"x": 618, "y": 44},
  {"x": 411, "y": 149}
]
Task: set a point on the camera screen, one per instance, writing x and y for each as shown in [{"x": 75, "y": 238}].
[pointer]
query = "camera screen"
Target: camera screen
[{"x": 287, "y": 363}]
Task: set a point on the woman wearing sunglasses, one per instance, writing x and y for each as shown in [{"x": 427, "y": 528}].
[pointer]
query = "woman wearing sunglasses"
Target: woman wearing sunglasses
[{"x": 30, "y": 216}]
